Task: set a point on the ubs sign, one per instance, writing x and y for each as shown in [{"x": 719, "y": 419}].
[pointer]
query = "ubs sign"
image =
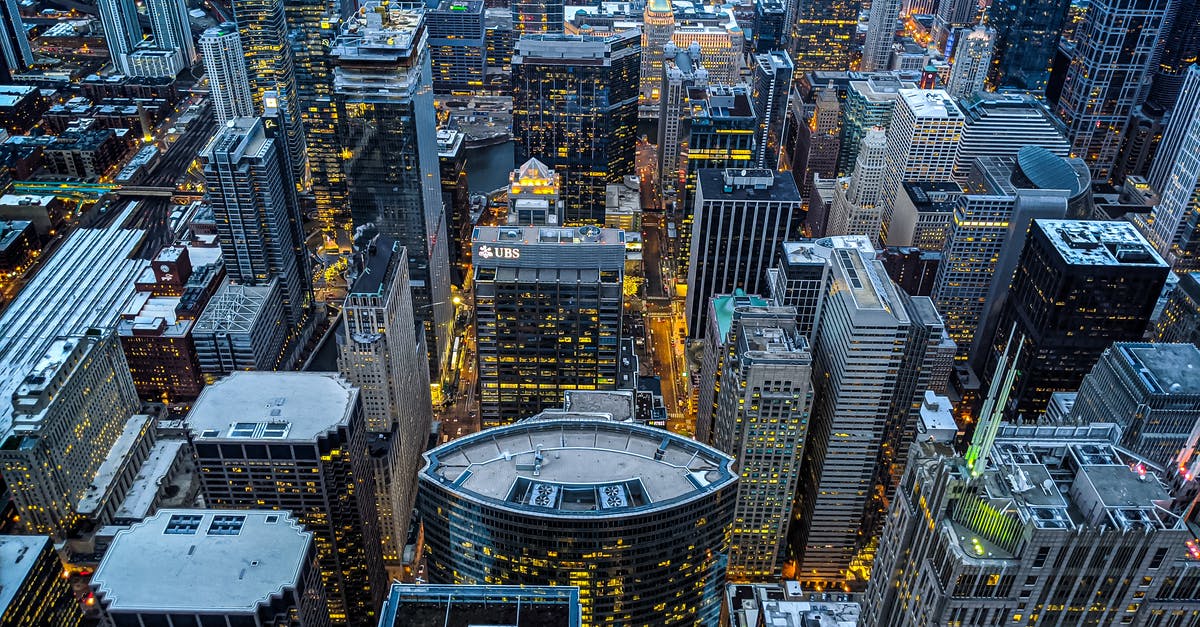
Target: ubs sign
[{"x": 498, "y": 252}]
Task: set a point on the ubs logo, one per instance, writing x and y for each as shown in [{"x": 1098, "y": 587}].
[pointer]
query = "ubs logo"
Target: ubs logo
[{"x": 488, "y": 252}]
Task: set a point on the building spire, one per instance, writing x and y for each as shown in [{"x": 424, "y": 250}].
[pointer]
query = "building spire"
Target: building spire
[{"x": 993, "y": 407}]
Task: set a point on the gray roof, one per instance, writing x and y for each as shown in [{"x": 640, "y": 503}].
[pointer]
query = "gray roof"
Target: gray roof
[
  {"x": 1047, "y": 170},
  {"x": 644, "y": 467},
  {"x": 158, "y": 566},
  {"x": 1169, "y": 368},
  {"x": 272, "y": 406},
  {"x": 18, "y": 554}
]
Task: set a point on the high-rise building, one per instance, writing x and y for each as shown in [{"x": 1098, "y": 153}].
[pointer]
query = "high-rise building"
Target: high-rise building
[
  {"x": 872, "y": 362},
  {"x": 270, "y": 66},
  {"x": 257, "y": 214},
  {"x": 171, "y": 29},
  {"x": 1044, "y": 526},
  {"x": 721, "y": 47},
  {"x": 972, "y": 58},
  {"x": 770, "y": 26},
  {"x": 951, "y": 17},
  {"x": 315, "y": 25},
  {"x": 1175, "y": 175},
  {"x": 423, "y": 604},
  {"x": 658, "y": 24},
  {"x": 1079, "y": 286},
  {"x": 856, "y": 209},
  {"x": 922, "y": 140},
  {"x": 771, "y": 88},
  {"x": 712, "y": 366},
  {"x": 388, "y": 134},
  {"x": 241, "y": 328},
  {"x": 536, "y": 17},
  {"x": 1026, "y": 41},
  {"x": 122, "y": 31},
  {"x": 255, "y": 567},
  {"x": 68, "y": 411},
  {"x": 822, "y": 34},
  {"x": 382, "y": 355},
  {"x": 225, "y": 66},
  {"x": 575, "y": 100},
  {"x": 881, "y": 33},
  {"x": 498, "y": 505},
  {"x": 762, "y": 421},
  {"x": 869, "y": 104},
  {"x": 548, "y": 306},
  {"x": 1109, "y": 76},
  {"x": 999, "y": 125},
  {"x": 922, "y": 214},
  {"x": 742, "y": 217},
  {"x": 1179, "y": 51},
  {"x": 1150, "y": 391},
  {"x": 297, "y": 442},
  {"x": 1180, "y": 318},
  {"x": 456, "y": 46},
  {"x": 819, "y": 140},
  {"x": 35, "y": 592},
  {"x": 682, "y": 71},
  {"x": 801, "y": 279},
  {"x": 14, "y": 40}
]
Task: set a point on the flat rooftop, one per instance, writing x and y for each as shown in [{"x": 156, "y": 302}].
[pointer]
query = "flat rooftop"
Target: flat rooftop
[
  {"x": 376, "y": 261},
  {"x": 193, "y": 560},
  {"x": 422, "y": 605},
  {"x": 931, "y": 103},
  {"x": 265, "y": 406},
  {"x": 711, "y": 184},
  {"x": 18, "y": 554},
  {"x": 1097, "y": 243},
  {"x": 577, "y": 467},
  {"x": 1171, "y": 368}
]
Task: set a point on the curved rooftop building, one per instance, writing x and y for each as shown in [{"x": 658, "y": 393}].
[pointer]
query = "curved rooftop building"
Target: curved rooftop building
[
  {"x": 638, "y": 518},
  {"x": 1038, "y": 168}
]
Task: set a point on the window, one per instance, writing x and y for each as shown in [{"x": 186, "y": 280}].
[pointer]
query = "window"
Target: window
[
  {"x": 181, "y": 524},
  {"x": 226, "y": 525}
]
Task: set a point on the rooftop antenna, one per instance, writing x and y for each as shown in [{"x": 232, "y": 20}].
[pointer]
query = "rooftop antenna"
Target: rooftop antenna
[{"x": 993, "y": 407}]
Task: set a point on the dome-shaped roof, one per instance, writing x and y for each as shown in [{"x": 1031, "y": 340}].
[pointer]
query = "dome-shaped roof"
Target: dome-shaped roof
[{"x": 1047, "y": 170}]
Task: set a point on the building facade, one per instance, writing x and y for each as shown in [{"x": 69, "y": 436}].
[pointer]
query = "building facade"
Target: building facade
[
  {"x": 1027, "y": 34},
  {"x": 456, "y": 46},
  {"x": 225, "y": 66}
]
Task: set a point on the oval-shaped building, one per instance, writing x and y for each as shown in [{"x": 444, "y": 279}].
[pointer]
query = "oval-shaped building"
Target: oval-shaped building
[{"x": 638, "y": 518}]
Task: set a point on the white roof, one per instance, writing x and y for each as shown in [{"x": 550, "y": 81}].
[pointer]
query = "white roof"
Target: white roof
[
  {"x": 18, "y": 554},
  {"x": 305, "y": 404}
]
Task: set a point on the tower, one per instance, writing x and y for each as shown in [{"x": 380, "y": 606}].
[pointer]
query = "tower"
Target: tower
[
  {"x": 972, "y": 58},
  {"x": 856, "y": 209},
  {"x": 681, "y": 72},
  {"x": 658, "y": 24},
  {"x": 1175, "y": 174},
  {"x": 1106, "y": 80},
  {"x": 742, "y": 217},
  {"x": 388, "y": 137},
  {"x": 456, "y": 45},
  {"x": 298, "y": 443},
  {"x": 881, "y": 33},
  {"x": 771, "y": 89},
  {"x": 14, "y": 41},
  {"x": 225, "y": 65},
  {"x": 1078, "y": 287},
  {"x": 169, "y": 24},
  {"x": 259, "y": 230},
  {"x": 587, "y": 130},
  {"x": 1026, "y": 41},
  {"x": 822, "y": 34},
  {"x": 121, "y": 31},
  {"x": 535, "y": 17}
]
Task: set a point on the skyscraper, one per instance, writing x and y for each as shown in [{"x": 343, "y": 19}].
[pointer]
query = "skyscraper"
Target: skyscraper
[
  {"x": 771, "y": 88},
  {"x": 251, "y": 567},
  {"x": 1179, "y": 51},
  {"x": 575, "y": 100},
  {"x": 258, "y": 220},
  {"x": 658, "y": 24},
  {"x": 951, "y": 17},
  {"x": 1079, "y": 518},
  {"x": 681, "y": 72},
  {"x": 1000, "y": 125},
  {"x": 872, "y": 362},
  {"x": 1180, "y": 318},
  {"x": 270, "y": 66},
  {"x": 881, "y": 33},
  {"x": 818, "y": 142},
  {"x": 548, "y": 305},
  {"x": 770, "y": 26},
  {"x": 716, "y": 349},
  {"x": 456, "y": 46},
  {"x": 1108, "y": 76},
  {"x": 14, "y": 40},
  {"x": 762, "y": 421},
  {"x": 383, "y": 356},
  {"x": 171, "y": 29},
  {"x": 921, "y": 142},
  {"x": 498, "y": 505},
  {"x": 822, "y": 34},
  {"x": 535, "y": 17},
  {"x": 1175, "y": 174},
  {"x": 297, "y": 441},
  {"x": 856, "y": 209},
  {"x": 1078, "y": 287},
  {"x": 801, "y": 279},
  {"x": 869, "y": 104},
  {"x": 972, "y": 58},
  {"x": 225, "y": 66},
  {"x": 1150, "y": 391},
  {"x": 1026, "y": 40},
  {"x": 121, "y": 31},
  {"x": 388, "y": 134},
  {"x": 35, "y": 592},
  {"x": 67, "y": 413},
  {"x": 742, "y": 217}
]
